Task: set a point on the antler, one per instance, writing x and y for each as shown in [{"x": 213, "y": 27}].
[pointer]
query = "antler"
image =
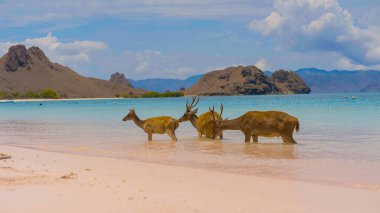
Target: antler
[
  {"x": 213, "y": 113},
  {"x": 194, "y": 102},
  {"x": 221, "y": 111}
]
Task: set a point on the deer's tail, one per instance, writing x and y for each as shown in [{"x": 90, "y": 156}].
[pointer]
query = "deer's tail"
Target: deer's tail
[{"x": 297, "y": 126}]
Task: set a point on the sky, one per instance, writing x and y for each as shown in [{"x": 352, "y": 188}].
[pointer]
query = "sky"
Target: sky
[{"x": 180, "y": 38}]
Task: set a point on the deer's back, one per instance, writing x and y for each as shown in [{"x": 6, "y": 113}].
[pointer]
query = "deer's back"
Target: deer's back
[
  {"x": 268, "y": 123},
  {"x": 160, "y": 124}
]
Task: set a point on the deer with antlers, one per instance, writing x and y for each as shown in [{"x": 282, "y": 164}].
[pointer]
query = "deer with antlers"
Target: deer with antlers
[
  {"x": 204, "y": 123},
  {"x": 156, "y": 125},
  {"x": 259, "y": 123}
]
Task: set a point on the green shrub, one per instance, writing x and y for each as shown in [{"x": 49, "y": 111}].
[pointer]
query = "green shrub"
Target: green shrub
[
  {"x": 162, "y": 95},
  {"x": 49, "y": 93},
  {"x": 15, "y": 94},
  {"x": 151, "y": 95},
  {"x": 7, "y": 95},
  {"x": 172, "y": 94},
  {"x": 31, "y": 95},
  {"x": 129, "y": 96}
]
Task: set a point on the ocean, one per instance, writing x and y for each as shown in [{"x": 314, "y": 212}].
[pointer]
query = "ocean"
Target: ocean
[{"x": 338, "y": 142}]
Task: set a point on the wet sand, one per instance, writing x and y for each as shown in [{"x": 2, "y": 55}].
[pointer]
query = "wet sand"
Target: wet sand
[{"x": 40, "y": 181}]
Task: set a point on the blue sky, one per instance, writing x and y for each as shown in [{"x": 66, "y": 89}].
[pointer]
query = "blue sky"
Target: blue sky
[{"x": 179, "y": 38}]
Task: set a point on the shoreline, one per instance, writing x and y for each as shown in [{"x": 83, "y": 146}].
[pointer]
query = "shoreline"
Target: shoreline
[
  {"x": 67, "y": 182},
  {"x": 186, "y": 96}
]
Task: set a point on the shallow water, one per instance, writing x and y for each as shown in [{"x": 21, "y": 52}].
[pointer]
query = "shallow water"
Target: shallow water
[{"x": 339, "y": 141}]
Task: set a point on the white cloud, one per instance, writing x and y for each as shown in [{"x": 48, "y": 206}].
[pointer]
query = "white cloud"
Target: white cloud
[
  {"x": 346, "y": 64},
  {"x": 262, "y": 64},
  {"x": 71, "y": 54},
  {"x": 269, "y": 24},
  {"x": 321, "y": 25}
]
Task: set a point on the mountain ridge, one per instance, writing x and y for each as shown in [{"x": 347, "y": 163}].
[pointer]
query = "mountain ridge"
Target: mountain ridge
[
  {"x": 165, "y": 84},
  {"x": 323, "y": 81}
]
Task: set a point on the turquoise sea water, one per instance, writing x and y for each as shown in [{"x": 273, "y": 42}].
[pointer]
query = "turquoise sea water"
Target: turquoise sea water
[{"x": 339, "y": 140}]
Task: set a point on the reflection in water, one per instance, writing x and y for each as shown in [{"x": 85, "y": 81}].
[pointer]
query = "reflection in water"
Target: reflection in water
[{"x": 272, "y": 151}]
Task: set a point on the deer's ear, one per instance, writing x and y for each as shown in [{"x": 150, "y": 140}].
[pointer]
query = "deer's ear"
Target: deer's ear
[{"x": 196, "y": 110}]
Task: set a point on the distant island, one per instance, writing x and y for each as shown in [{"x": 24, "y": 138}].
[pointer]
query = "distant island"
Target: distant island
[{"x": 248, "y": 80}]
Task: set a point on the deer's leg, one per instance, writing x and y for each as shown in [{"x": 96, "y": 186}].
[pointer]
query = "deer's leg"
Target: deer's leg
[
  {"x": 150, "y": 136},
  {"x": 247, "y": 135},
  {"x": 221, "y": 135},
  {"x": 255, "y": 138},
  {"x": 288, "y": 139},
  {"x": 199, "y": 134},
  {"x": 291, "y": 139},
  {"x": 172, "y": 135}
]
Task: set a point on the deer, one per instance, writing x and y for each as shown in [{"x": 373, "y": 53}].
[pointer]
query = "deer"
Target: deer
[
  {"x": 259, "y": 123},
  {"x": 155, "y": 125},
  {"x": 204, "y": 123}
]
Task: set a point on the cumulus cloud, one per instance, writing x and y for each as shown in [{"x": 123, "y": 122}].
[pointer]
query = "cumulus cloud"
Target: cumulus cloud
[
  {"x": 269, "y": 24},
  {"x": 346, "y": 64},
  {"x": 72, "y": 53},
  {"x": 323, "y": 25},
  {"x": 262, "y": 64}
]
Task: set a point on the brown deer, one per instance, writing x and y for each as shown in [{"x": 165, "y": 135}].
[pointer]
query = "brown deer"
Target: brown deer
[
  {"x": 156, "y": 125},
  {"x": 204, "y": 123},
  {"x": 259, "y": 123}
]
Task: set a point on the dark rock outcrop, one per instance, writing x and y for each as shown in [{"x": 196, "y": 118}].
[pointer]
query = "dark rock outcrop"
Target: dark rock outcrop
[
  {"x": 119, "y": 78},
  {"x": 17, "y": 57},
  {"x": 289, "y": 82},
  {"x": 248, "y": 80}
]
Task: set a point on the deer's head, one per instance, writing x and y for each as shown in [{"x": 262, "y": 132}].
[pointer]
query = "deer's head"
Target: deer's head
[
  {"x": 130, "y": 115},
  {"x": 217, "y": 119},
  {"x": 190, "y": 111}
]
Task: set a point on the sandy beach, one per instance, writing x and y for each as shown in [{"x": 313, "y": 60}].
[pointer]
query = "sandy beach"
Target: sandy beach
[{"x": 40, "y": 181}]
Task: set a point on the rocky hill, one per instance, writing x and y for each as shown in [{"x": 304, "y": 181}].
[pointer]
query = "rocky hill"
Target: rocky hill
[
  {"x": 29, "y": 70},
  {"x": 289, "y": 82},
  {"x": 248, "y": 80}
]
